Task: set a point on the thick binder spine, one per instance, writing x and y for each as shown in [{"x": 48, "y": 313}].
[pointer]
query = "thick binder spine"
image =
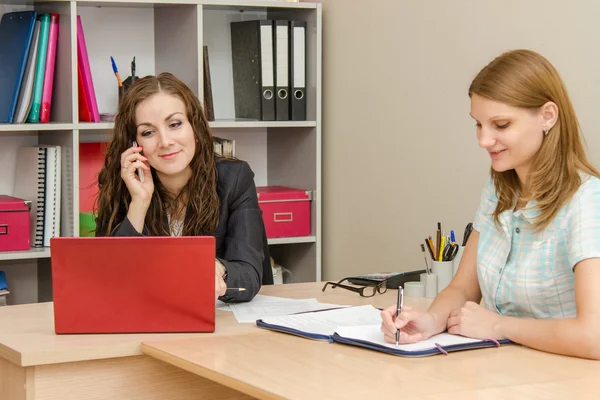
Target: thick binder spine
[
  {"x": 298, "y": 70},
  {"x": 282, "y": 70},
  {"x": 252, "y": 64}
]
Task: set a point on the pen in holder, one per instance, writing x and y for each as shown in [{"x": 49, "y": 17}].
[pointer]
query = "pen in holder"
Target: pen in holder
[{"x": 443, "y": 270}]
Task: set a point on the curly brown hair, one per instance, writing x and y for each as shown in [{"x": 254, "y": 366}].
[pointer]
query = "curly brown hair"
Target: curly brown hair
[{"x": 201, "y": 190}]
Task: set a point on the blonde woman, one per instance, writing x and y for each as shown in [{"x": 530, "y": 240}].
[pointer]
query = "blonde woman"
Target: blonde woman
[{"x": 533, "y": 255}]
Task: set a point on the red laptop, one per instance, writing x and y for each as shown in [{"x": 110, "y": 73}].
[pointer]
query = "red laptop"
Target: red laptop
[{"x": 133, "y": 284}]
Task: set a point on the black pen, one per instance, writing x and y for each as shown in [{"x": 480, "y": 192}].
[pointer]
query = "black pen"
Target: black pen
[
  {"x": 133, "y": 70},
  {"x": 399, "y": 310}
]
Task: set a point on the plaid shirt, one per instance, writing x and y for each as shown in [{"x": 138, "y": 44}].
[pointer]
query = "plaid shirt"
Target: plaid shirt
[{"x": 529, "y": 274}]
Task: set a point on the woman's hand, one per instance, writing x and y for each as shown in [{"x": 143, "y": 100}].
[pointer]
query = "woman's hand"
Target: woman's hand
[
  {"x": 220, "y": 285},
  {"x": 414, "y": 325},
  {"x": 474, "y": 321},
  {"x": 131, "y": 160}
]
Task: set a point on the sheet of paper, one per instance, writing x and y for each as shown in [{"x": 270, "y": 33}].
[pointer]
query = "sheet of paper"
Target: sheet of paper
[
  {"x": 222, "y": 306},
  {"x": 268, "y": 306},
  {"x": 326, "y": 322},
  {"x": 372, "y": 334}
]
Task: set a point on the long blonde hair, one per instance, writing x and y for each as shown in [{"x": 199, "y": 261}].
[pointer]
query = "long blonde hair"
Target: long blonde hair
[{"x": 525, "y": 79}]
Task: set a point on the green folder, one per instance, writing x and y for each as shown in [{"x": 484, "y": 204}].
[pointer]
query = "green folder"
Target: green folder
[{"x": 40, "y": 68}]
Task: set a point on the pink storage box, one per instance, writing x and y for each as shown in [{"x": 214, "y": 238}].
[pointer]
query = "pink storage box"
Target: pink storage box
[
  {"x": 14, "y": 223},
  {"x": 286, "y": 211}
]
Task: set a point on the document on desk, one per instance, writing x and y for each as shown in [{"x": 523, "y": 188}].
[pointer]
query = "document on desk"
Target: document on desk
[
  {"x": 321, "y": 325},
  {"x": 269, "y": 306},
  {"x": 361, "y": 326}
]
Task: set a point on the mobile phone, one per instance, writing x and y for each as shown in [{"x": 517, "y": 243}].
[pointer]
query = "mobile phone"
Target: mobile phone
[{"x": 140, "y": 171}]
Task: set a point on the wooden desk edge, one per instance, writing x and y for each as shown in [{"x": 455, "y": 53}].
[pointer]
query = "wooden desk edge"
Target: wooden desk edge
[
  {"x": 242, "y": 387},
  {"x": 11, "y": 355},
  {"x": 33, "y": 359}
]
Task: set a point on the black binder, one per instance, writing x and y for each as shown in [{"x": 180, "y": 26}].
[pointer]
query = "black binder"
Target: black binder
[
  {"x": 298, "y": 70},
  {"x": 253, "y": 69},
  {"x": 282, "y": 70}
]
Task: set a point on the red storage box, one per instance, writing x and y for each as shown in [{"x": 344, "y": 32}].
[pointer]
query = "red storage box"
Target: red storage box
[
  {"x": 286, "y": 211},
  {"x": 14, "y": 223}
]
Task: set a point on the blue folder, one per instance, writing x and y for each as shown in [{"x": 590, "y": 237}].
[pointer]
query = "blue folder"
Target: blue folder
[{"x": 16, "y": 32}]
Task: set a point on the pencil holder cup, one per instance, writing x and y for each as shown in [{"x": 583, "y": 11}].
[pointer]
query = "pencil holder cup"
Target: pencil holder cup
[
  {"x": 430, "y": 281},
  {"x": 443, "y": 270},
  {"x": 456, "y": 259},
  {"x": 414, "y": 289},
  {"x": 126, "y": 83}
]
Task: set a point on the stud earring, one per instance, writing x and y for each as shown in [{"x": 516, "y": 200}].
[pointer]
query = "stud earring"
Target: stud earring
[{"x": 546, "y": 132}]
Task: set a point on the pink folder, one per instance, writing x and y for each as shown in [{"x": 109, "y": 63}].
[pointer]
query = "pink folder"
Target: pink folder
[
  {"x": 86, "y": 73},
  {"x": 50, "y": 63}
]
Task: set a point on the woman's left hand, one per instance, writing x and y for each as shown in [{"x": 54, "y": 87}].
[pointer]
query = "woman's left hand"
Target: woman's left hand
[
  {"x": 220, "y": 285},
  {"x": 475, "y": 321}
]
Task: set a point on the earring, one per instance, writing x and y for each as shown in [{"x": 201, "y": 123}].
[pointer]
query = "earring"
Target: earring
[{"x": 546, "y": 132}]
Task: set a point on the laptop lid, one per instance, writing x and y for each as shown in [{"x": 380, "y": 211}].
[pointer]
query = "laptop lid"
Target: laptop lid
[{"x": 133, "y": 284}]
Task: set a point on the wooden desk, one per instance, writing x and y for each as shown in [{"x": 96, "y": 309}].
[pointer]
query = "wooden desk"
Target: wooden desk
[
  {"x": 37, "y": 364},
  {"x": 276, "y": 365}
]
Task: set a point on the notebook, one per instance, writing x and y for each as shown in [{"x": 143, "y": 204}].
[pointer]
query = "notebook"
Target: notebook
[
  {"x": 49, "y": 74},
  {"x": 133, "y": 284},
  {"x": 86, "y": 73},
  {"x": 25, "y": 95},
  {"x": 30, "y": 184},
  {"x": 52, "y": 200},
  {"x": 40, "y": 70},
  {"x": 16, "y": 31},
  {"x": 361, "y": 326}
]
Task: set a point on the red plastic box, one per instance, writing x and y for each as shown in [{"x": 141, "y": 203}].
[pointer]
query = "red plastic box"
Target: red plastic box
[
  {"x": 286, "y": 211},
  {"x": 14, "y": 223}
]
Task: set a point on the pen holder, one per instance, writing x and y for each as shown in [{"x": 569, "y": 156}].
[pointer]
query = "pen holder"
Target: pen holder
[
  {"x": 414, "y": 289},
  {"x": 456, "y": 259},
  {"x": 430, "y": 281},
  {"x": 443, "y": 270},
  {"x": 126, "y": 84}
]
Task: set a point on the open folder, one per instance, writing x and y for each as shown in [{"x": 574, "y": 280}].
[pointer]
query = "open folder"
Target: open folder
[{"x": 360, "y": 326}]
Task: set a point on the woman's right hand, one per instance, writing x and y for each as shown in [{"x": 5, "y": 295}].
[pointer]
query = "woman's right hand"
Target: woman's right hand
[
  {"x": 414, "y": 325},
  {"x": 131, "y": 160}
]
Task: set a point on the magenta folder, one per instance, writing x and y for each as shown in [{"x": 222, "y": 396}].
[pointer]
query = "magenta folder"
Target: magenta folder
[
  {"x": 50, "y": 63},
  {"x": 86, "y": 73}
]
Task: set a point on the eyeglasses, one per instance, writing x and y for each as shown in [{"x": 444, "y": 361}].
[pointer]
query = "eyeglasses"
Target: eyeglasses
[{"x": 364, "y": 291}]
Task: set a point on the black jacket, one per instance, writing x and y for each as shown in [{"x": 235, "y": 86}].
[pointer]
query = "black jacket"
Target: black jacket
[{"x": 239, "y": 236}]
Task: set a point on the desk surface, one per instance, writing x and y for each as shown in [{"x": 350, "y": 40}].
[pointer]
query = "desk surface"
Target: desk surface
[
  {"x": 27, "y": 331},
  {"x": 279, "y": 365}
]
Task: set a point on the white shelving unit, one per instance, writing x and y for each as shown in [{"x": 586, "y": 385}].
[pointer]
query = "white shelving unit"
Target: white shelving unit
[{"x": 169, "y": 36}]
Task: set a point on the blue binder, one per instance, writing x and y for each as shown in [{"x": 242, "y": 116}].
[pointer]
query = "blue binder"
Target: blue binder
[{"x": 16, "y": 31}]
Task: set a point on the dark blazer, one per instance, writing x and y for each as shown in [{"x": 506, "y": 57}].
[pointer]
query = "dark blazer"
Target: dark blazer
[{"x": 239, "y": 236}]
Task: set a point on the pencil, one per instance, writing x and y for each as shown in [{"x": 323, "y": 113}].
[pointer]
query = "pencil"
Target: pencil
[{"x": 239, "y": 289}]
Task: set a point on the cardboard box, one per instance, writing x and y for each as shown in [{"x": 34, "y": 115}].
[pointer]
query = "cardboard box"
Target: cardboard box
[
  {"x": 14, "y": 223},
  {"x": 286, "y": 211}
]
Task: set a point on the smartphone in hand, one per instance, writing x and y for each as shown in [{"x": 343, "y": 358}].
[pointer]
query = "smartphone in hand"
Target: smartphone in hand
[{"x": 140, "y": 171}]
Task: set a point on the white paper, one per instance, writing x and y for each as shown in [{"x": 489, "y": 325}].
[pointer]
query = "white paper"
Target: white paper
[
  {"x": 372, "y": 333},
  {"x": 268, "y": 306},
  {"x": 326, "y": 322},
  {"x": 222, "y": 306}
]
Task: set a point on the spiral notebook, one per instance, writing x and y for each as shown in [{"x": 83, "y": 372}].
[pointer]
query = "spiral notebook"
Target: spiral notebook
[
  {"x": 361, "y": 326},
  {"x": 38, "y": 179}
]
